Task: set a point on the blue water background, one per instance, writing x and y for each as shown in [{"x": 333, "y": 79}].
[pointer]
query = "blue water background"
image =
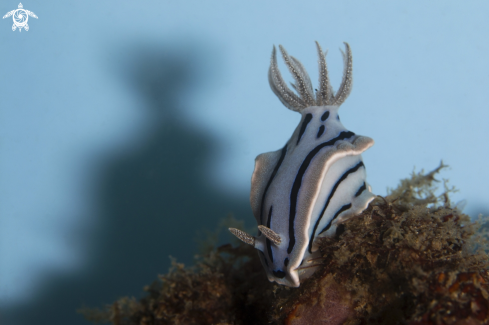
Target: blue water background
[{"x": 128, "y": 126}]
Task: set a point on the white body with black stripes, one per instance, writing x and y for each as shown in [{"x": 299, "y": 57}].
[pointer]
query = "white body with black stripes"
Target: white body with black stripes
[{"x": 317, "y": 180}]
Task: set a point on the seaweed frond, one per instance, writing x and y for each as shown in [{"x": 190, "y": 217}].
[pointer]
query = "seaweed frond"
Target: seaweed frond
[
  {"x": 409, "y": 258},
  {"x": 420, "y": 189},
  {"x": 225, "y": 286}
]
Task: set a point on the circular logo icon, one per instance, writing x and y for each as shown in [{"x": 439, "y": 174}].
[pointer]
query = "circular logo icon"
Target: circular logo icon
[{"x": 20, "y": 17}]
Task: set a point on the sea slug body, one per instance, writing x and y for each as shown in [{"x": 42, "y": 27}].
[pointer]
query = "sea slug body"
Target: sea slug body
[{"x": 317, "y": 180}]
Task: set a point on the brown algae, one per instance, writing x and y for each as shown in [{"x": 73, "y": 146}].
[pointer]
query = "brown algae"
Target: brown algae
[{"x": 409, "y": 258}]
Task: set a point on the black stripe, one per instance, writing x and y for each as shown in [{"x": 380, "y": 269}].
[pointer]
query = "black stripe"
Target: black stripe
[
  {"x": 361, "y": 189},
  {"x": 342, "y": 178},
  {"x": 325, "y": 116},
  {"x": 294, "y": 193},
  {"x": 269, "y": 243},
  {"x": 320, "y": 131},
  {"x": 343, "y": 208},
  {"x": 279, "y": 274},
  {"x": 286, "y": 261},
  {"x": 281, "y": 159},
  {"x": 307, "y": 119}
]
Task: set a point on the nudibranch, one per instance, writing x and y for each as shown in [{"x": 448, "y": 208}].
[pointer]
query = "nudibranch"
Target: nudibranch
[{"x": 316, "y": 181}]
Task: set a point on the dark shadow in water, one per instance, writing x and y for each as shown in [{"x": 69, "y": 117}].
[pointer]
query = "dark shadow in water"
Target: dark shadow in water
[{"x": 151, "y": 200}]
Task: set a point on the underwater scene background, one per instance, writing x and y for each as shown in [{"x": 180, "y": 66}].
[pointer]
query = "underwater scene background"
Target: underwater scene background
[{"x": 129, "y": 129}]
